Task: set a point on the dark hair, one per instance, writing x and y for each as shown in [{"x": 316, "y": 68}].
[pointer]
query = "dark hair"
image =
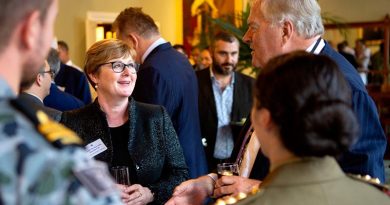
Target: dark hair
[
  {"x": 14, "y": 11},
  {"x": 63, "y": 45},
  {"x": 134, "y": 20},
  {"x": 225, "y": 36},
  {"x": 309, "y": 101},
  {"x": 54, "y": 60}
]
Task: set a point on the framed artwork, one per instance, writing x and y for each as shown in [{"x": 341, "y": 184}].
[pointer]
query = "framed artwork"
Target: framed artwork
[{"x": 195, "y": 19}]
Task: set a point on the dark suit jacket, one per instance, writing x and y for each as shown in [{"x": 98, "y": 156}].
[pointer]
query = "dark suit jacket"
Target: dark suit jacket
[
  {"x": 166, "y": 78},
  {"x": 37, "y": 104},
  {"x": 75, "y": 83},
  {"x": 242, "y": 104},
  {"x": 366, "y": 155},
  {"x": 62, "y": 101},
  {"x": 153, "y": 145}
]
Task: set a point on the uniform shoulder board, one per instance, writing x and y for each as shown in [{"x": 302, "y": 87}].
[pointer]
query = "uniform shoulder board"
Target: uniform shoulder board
[
  {"x": 372, "y": 181},
  {"x": 58, "y": 135},
  {"x": 233, "y": 199}
]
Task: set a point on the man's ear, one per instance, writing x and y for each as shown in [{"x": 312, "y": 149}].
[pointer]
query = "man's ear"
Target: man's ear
[
  {"x": 30, "y": 31},
  {"x": 287, "y": 31},
  {"x": 39, "y": 79},
  {"x": 133, "y": 40}
]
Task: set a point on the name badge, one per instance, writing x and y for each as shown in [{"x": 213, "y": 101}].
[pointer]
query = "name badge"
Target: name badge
[{"x": 95, "y": 148}]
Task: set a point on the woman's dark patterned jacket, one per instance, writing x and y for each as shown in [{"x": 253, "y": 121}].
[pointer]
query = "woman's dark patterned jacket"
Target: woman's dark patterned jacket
[{"x": 153, "y": 144}]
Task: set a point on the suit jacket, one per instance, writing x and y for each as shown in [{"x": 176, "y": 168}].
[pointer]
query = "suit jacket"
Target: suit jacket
[
  {"x": 166, "y": 78},
  {"x": 75, "y": 83},
  {"x": 61, "y": 100},
  {"x": 153, "y": 145},
  {"x": 242, "y": 104},
  {"x": 37, "y": 104},
  {"x": 317, "y": 181},
  {"x": 366, "y": 155}
]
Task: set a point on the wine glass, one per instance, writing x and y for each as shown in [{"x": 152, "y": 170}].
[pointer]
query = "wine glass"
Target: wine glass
[
  {"x": 228, "y": 169},
  {"x": 121, "y": 174}
]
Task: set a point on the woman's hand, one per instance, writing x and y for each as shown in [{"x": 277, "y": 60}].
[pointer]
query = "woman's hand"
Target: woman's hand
[{"x": 135, "y": 194}]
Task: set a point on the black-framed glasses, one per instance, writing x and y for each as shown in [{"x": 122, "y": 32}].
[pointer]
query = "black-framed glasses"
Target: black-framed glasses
[
  {"x": 119, "y": 67},
  {"x": 51, "y": 73}
]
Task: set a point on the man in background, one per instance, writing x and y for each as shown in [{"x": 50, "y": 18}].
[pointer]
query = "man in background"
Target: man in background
[
  {"x": 165, "y": 78},
  {"x": 57, "y": 98},
  {"x": 38, "y": 89},
  {"x": 225, "y": 99},
  {"x": 63, "y": 52}
]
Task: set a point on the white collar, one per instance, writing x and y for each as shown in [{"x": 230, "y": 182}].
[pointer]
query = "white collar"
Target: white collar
[
  {"x": 319, "y": 47},
  {"x": 151, "y": 47}
]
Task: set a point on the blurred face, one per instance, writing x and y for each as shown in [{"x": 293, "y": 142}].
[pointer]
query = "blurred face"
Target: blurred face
[
  {"x": 264, "y": 39},
  {"x": 63, "y": 54},
  {"x": 205, "y": 59},
  {"x": 41, "y": 48},
  {"x": 114, "y": 85},
  {"x": 225, "y": 57}
]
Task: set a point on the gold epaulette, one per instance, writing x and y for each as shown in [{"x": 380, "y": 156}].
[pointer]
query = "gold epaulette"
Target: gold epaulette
[
  {"x": 372, "y": 181},
  {"x": 233, "y": 199},
  {"x": 55, "y": 133}
]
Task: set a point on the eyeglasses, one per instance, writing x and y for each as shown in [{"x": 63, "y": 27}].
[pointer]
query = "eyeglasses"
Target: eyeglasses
[
  {"x": 51, "y": 73},
  {"x": 119, "y": 67}
]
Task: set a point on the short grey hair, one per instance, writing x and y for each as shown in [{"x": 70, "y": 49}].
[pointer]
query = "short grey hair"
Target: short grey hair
[
  {"x": 304, "y": 14},
  {"x": 54, "y": 60}
]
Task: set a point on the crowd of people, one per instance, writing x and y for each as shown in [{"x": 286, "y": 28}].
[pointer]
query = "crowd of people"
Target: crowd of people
[{"x": 296, "y": 133}]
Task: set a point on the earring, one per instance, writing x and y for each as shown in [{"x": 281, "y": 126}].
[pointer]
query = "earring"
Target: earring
[{"x": 96, "y": 86}]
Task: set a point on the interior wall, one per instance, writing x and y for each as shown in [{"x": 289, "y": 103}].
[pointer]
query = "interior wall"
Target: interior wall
[
  {"x": 70, "y": 23},
  {"x": 356, "y": 10}
]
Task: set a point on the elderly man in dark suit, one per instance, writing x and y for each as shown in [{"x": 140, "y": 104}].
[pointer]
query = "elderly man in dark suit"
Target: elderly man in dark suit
[
  {"x": 165, "y": 78},
  {"x": 225, "y": 99}
]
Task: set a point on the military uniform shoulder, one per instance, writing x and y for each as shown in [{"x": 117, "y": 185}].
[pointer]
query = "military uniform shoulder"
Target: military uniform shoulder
[
  {"x": 375, "y": 182},
  {"x": 56, "y": 134}
]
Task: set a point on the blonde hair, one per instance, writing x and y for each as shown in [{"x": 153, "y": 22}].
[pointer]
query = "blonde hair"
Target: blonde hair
[{"x": 103, "y": 51}]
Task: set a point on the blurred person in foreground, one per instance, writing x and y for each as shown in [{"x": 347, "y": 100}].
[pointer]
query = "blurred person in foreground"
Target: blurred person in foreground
[
  {"x": 40, "y": 162},
  {"x": 165, "y": 78},
  {"x": 137, "y": 135}
]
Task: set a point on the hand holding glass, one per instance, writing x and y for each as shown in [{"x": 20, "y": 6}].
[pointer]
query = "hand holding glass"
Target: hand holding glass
[
  {"x": 121, "y": 174},
  {"x": 228, "y": 169}
]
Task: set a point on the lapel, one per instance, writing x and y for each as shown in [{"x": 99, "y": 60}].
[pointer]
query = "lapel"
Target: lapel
[
  {"x": 207, "y": 90},
  {"x": 237, "y": 98}
]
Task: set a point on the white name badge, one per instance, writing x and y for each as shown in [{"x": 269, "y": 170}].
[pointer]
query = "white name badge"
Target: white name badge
[{"x": 95, "y": 148}]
